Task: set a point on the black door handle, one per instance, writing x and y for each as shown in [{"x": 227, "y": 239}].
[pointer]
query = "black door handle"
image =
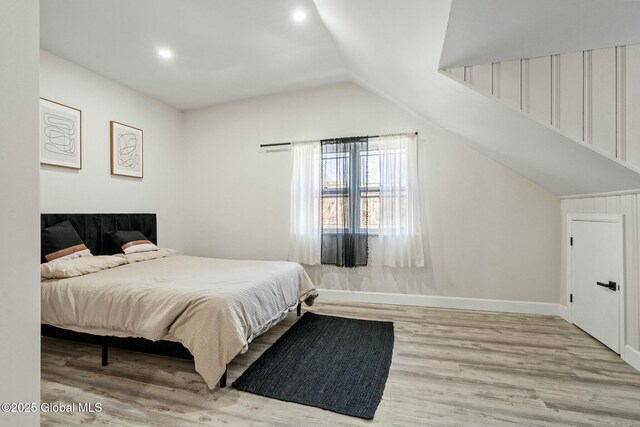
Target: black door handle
[{"x": 611, "y": 285}]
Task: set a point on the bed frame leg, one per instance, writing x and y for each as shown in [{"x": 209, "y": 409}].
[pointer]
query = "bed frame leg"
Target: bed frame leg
[
  {"x": 223, "y": 379},
  {"x": 299, "y": 308},
  {"x": 105, "y": 355}
]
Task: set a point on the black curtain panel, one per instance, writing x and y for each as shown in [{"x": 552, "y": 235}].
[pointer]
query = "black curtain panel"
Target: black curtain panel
[{"x": 345, "y": 221}]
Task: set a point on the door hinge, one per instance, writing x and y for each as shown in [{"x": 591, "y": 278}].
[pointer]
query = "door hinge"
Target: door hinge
[
  {"x": 571, "y": 241},
  {"x": 570, "y": 297}
]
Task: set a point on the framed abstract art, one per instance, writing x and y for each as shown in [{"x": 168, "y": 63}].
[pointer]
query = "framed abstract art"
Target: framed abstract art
[
  {"x": 60, "y": 135},
  {"x": 126, "y": 150}
]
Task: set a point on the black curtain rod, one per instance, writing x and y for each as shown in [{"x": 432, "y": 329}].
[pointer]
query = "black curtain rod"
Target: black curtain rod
[{"x": 280, "y": 144}]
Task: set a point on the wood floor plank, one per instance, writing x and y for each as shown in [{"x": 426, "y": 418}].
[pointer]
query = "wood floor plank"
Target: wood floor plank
[{"x": 450, "y": 368}]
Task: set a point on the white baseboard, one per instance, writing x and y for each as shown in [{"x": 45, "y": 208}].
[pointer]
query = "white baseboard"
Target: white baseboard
[
  {"x": 445, "y": 302},
  {"x": 631, "y": 356},
  {"x": 563, "y": 311}
]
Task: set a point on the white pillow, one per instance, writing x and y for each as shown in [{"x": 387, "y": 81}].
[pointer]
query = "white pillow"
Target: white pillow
[
  {"x": 85, "y": 252},
  {"x": 64, "y": 268},
  {"x": 141, "y": 247},
  {"x": 147, "y": 256}
]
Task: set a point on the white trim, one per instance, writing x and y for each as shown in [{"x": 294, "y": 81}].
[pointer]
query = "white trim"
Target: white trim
[
  {"x": 525, "y": 307},
  {"x": 631, "y": 356},
  {"x": 555, "y": 91},
  {"x": 612, "y": 218},
  {"x": 621, "y": 103},
  {"x": 564, "y": 311},
  {"x": 628, "y": 354},
  {"x": 587, "y": 86},
  {"x": 605, "y": 194}
]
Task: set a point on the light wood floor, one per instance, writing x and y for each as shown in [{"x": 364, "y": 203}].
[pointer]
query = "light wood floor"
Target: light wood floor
[{"x": 450, "y": 367}]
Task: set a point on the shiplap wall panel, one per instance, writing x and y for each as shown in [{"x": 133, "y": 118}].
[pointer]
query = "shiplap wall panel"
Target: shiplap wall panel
[
  {"x": 632, "y": 104},
  {"x": 600, "y": 205},
  {"x": 536, "y": 88},
  {"x": 591, "y": 96},
  {"x": 508, "y": 83},
  {"x": 458, "y": 72},
  {"x": 481, "y": 78},
  {"x": 602, "y": 87},
  {"x": 569, "y": 92},
  {"x": 627, "y": 205}
]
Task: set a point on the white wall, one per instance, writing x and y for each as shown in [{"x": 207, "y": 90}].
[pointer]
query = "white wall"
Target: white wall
[
  {"x": 627, "y": 205},
  {"x": 94, "y": 189},
  {"x": 490, "y": 233},
  {"x": 590, "y": 97},
  {"x": 19, "y": 251}
]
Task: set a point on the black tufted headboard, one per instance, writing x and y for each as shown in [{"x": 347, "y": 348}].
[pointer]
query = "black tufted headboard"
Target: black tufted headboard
[{"x": 93, "y": 228}]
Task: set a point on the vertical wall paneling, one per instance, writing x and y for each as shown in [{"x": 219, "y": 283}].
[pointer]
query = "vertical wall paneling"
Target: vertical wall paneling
[
  {"x": 458, "y": 72},
  {"x": 569, "y": 94},
  {"x": 587, "y": 98},
  {"x": 508, "y": 83},
  {"x": 520, "y": 81},
  {"x": 621, "y": 115},
  {"x": 632, "y": 104},
  {"x": 591, "y": 96},
  {"x": 536, "y": 88},
  {"x": 524, "y": 85},
  {"x": 482, "y": 78},
  {"x": 613, "y": 204},
  {"x": 599, "y": 205},
  {"x": 495, "y": 79},
  {"x": 602, "y": 87},
  {"x": 628, "y": 207},
  {"x": 555, "y": 86}
]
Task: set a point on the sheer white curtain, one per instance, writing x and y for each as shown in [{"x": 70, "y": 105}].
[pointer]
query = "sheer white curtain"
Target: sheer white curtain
[
  {"x": 400, "y": 236},
  {"x": 304, "y": 229}
]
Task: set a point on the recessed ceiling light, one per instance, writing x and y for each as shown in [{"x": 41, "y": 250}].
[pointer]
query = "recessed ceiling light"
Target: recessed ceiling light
[
  {"x": 165, "y": 53},
  {"x": 299, "y": 15}
]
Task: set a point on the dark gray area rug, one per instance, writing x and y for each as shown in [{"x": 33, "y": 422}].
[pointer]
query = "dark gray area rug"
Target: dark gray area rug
[{"x": 329, "y": 362}]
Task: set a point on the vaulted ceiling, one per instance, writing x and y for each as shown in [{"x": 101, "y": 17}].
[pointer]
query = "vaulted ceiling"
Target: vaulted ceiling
[
  {"x": 223, "y": 49},
  {"x": 232, "y": 49}
]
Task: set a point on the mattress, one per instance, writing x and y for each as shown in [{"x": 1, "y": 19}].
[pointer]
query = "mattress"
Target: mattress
[{"x": 213, "y": 307}]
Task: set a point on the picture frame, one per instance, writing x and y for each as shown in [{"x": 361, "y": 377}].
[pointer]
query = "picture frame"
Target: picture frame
[
  {"x": 127, "y": 150},
  {"x": 60, "y": 135}
]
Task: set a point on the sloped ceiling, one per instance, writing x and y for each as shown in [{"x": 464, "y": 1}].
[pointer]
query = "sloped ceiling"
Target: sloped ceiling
[
  {"x": 394, "y": 49},
  {"x": 485, "y": 31},
  {"x": 232, "y": 49}
]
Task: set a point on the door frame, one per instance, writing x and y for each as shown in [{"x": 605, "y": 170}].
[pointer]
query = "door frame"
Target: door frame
[{"x": 611, "y": 218}]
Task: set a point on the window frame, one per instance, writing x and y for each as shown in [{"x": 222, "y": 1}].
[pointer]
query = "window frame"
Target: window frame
[{"x": 355, "y": 164}]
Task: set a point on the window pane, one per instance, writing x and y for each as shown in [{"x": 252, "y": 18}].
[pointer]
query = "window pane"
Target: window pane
[
  {"x": 371, "y": 161},
  {"x": 335, "y": 212},
  {"x": 370, "y": 206},
  {"x": 335, "y": 170}
]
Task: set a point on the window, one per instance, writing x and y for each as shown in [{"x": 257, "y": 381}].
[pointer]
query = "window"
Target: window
[
  {"x": 340, "y": 169},
  {"x": 346, "y": 172},
  {"x": 341, "y": 185}
]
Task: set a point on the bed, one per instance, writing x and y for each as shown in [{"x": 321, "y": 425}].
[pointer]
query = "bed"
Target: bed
[{"x": 191, "y": 307}]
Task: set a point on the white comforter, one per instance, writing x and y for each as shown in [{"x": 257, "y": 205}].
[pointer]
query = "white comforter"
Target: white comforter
[{"x": 214, "y": 307}]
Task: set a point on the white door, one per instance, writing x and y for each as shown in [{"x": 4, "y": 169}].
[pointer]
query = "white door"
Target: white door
[{"x": 596, "y": 259}]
